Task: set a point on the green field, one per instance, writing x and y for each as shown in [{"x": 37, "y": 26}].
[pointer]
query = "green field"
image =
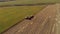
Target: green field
[
  {"x": 11, "y": 15},
  {"x": 29, "y": 2}
]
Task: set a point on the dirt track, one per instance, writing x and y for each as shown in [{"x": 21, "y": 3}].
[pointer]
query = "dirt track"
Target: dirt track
[
  {"x": 58, "y": 18},
  {"x": 42, "y": 23}
]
